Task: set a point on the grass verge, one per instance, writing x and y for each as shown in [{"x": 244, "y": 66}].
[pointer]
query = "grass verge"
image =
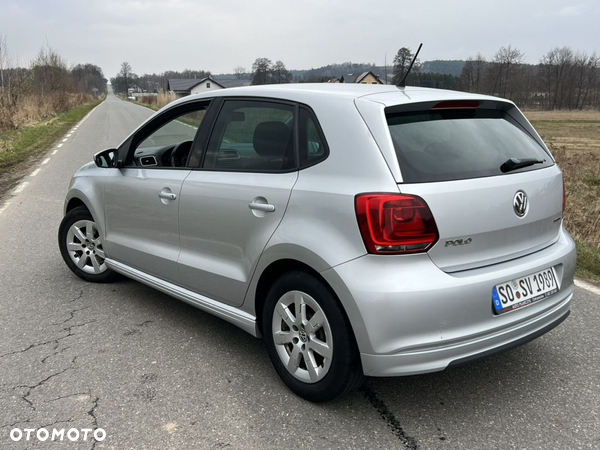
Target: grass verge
[
  {"x": 588, "y": 261},
  {"x": 18, "y": 145},
  {"x": 145, "y": 105}
]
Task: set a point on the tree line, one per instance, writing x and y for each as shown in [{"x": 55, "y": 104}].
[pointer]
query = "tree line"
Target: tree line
[
  {"x": 45, "y": 88},
  {"x": 263, "y": 72},
  {"x": 563, "y": 78},
  {"x": 150, "y": 82}
]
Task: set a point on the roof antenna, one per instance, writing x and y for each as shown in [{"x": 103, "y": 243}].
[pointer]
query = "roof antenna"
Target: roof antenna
[{"x": 402, "y": 83}]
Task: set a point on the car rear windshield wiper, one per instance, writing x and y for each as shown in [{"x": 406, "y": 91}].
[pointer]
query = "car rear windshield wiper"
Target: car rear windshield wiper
[{"x": 516, "y": 163}]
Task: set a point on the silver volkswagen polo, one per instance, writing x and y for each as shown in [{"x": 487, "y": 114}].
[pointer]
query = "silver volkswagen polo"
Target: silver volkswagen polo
[{"x": 360, "y": 230}]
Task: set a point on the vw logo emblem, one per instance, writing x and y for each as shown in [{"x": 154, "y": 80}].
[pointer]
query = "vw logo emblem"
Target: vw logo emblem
[
  {"x": 303, "y": 336},
  {"x": 520, "y": 203}
]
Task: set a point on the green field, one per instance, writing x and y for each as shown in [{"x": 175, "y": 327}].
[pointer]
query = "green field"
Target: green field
[{"x": 574, "y": 138}]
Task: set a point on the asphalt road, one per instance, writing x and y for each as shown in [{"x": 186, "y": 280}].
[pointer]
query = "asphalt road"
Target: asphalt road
[{"x": 156, "y": 373}]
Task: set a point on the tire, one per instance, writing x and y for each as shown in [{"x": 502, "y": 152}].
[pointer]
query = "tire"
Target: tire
[
  {"x": 81, "y": 247},
  {"x": 335, "y": 367}
]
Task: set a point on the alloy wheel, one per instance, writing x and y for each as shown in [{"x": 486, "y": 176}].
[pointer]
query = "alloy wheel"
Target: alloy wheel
[
  {"x": 302, "y": 336},
  {"x": 85, "y": 247}
]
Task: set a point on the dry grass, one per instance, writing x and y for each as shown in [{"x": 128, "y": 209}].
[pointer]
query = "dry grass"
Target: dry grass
[
  {"x": 574, "y": 138},
  {"x": 158, "y": 101},
  {"x": 31, "y": 108},
  {"x": 17, "y": 145},
  {"x": 582, "y": 181},
  {"x": 561, "y": 116}
]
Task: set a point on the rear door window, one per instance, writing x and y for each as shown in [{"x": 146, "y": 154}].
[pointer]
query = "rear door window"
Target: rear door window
[
  {"x": 255, "y": 136},
  {"x": 454, "y": 145}
]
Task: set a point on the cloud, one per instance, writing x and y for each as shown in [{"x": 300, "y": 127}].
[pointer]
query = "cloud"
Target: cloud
[
  {"x": 159, "y": 35},
  {"x": 572, "y": 11}
]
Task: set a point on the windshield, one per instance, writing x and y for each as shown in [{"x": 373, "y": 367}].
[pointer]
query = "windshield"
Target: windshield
[{"x": 454, "y": 145}]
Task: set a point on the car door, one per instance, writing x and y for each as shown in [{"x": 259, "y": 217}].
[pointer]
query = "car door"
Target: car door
[
  {"x": 142, "y": 199},
  {"x": 231, "y": 205}
]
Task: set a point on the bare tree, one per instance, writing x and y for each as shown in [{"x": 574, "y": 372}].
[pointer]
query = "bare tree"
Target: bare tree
[
  {"x": 50, "y": 73},
  {"x": 260, "y": 71},
  {"x": 472, "y": 76},
  {"x": 3, "y": 58},
  {"x": 279, "y": 73},
  {"x": 126, "y": 74},
  {"x": 479, "y": 64},
  {"x": 592, "y": 71},
  {"x": 240, "y": 72},
  {"x": 557, "y": 66},
  {"x": 506, "y": 61}
]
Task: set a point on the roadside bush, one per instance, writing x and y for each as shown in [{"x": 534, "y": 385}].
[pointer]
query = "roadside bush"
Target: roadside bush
[
  {"x": 47, "y": 88},
  {"x": 158, "y": 101}
]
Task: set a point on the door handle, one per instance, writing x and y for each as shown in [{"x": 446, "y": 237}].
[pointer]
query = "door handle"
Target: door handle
[
  {"x": 167, "y": 195},
  {"x": 264, "y": 207}
]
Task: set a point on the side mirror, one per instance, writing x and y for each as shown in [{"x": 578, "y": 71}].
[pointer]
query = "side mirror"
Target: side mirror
[
  {"x": 314, "y": 148},
  {"x": 106, "y": 158}
]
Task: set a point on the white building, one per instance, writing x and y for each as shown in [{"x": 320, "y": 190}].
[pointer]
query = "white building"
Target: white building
[{"x": 185, "y": 86}]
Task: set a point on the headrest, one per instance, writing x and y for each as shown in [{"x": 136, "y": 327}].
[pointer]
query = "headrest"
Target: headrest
[{"x": 271, "y": 139}]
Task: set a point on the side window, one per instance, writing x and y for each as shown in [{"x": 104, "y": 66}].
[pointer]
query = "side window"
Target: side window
[
  {"x": 252, "y": 136},
  {"x": 313, "y": 147},
  {"x": 170, "y": 144}
]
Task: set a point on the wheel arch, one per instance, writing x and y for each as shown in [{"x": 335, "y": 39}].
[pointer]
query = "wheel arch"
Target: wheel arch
[
  {"x": 90, "y": 195},
  {"x": 271, "y": 273},
  {"x": 73, "y": 203},
  {"x": 278, "y": 267}
]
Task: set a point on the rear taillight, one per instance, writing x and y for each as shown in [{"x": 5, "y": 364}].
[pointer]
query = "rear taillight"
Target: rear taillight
[{"x": 395, "y": 223}]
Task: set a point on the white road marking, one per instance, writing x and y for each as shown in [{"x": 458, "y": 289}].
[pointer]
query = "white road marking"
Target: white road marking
[
  {"x": 20, "y": 187},
  {"x": 69, "y": 135},
  {"x": 59, "y": 145},
  {"x": 54, "y": 152},
  {"x": 45, "y": 161},
  {"x": 83, "y": 120},
  {"x": 587, "y": 286},
  {"x": 35, "y": 172},
  {"x": 65, "y": 139},
  {"x": 3, "y": 207}
]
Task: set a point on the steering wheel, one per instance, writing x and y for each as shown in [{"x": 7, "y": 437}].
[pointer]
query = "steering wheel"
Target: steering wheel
[{"x": 180, "y": 154}]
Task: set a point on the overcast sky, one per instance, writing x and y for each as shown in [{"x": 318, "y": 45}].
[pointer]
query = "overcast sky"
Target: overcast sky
[{"x": 159, "y": 35}]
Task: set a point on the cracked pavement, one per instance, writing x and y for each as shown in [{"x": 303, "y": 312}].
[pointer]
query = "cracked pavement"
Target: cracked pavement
[{"x": 156, "y": 373}]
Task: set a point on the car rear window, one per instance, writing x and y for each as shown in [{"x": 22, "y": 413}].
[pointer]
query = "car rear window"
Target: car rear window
[{"x": 457, "y": 144}]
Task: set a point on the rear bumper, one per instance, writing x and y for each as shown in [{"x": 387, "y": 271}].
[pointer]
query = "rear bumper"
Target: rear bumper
[
  {"x": 436, "y": 359},
  {"x": 410, "y": 317}
]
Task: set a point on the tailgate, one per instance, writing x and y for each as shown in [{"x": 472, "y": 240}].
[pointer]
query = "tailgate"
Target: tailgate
[
  {"x": 493, "y": 188},
  {"x": 477, "y": 222}
]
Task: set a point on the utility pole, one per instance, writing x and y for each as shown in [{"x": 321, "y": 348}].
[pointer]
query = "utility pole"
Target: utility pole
[{"x": 385, "y": 68}]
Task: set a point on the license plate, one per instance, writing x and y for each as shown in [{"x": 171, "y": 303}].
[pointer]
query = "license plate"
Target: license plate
[{"x": 524, "y": 291}]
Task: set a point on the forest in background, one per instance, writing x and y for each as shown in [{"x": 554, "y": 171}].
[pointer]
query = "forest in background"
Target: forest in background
[{"x": 563, "y": 78}]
